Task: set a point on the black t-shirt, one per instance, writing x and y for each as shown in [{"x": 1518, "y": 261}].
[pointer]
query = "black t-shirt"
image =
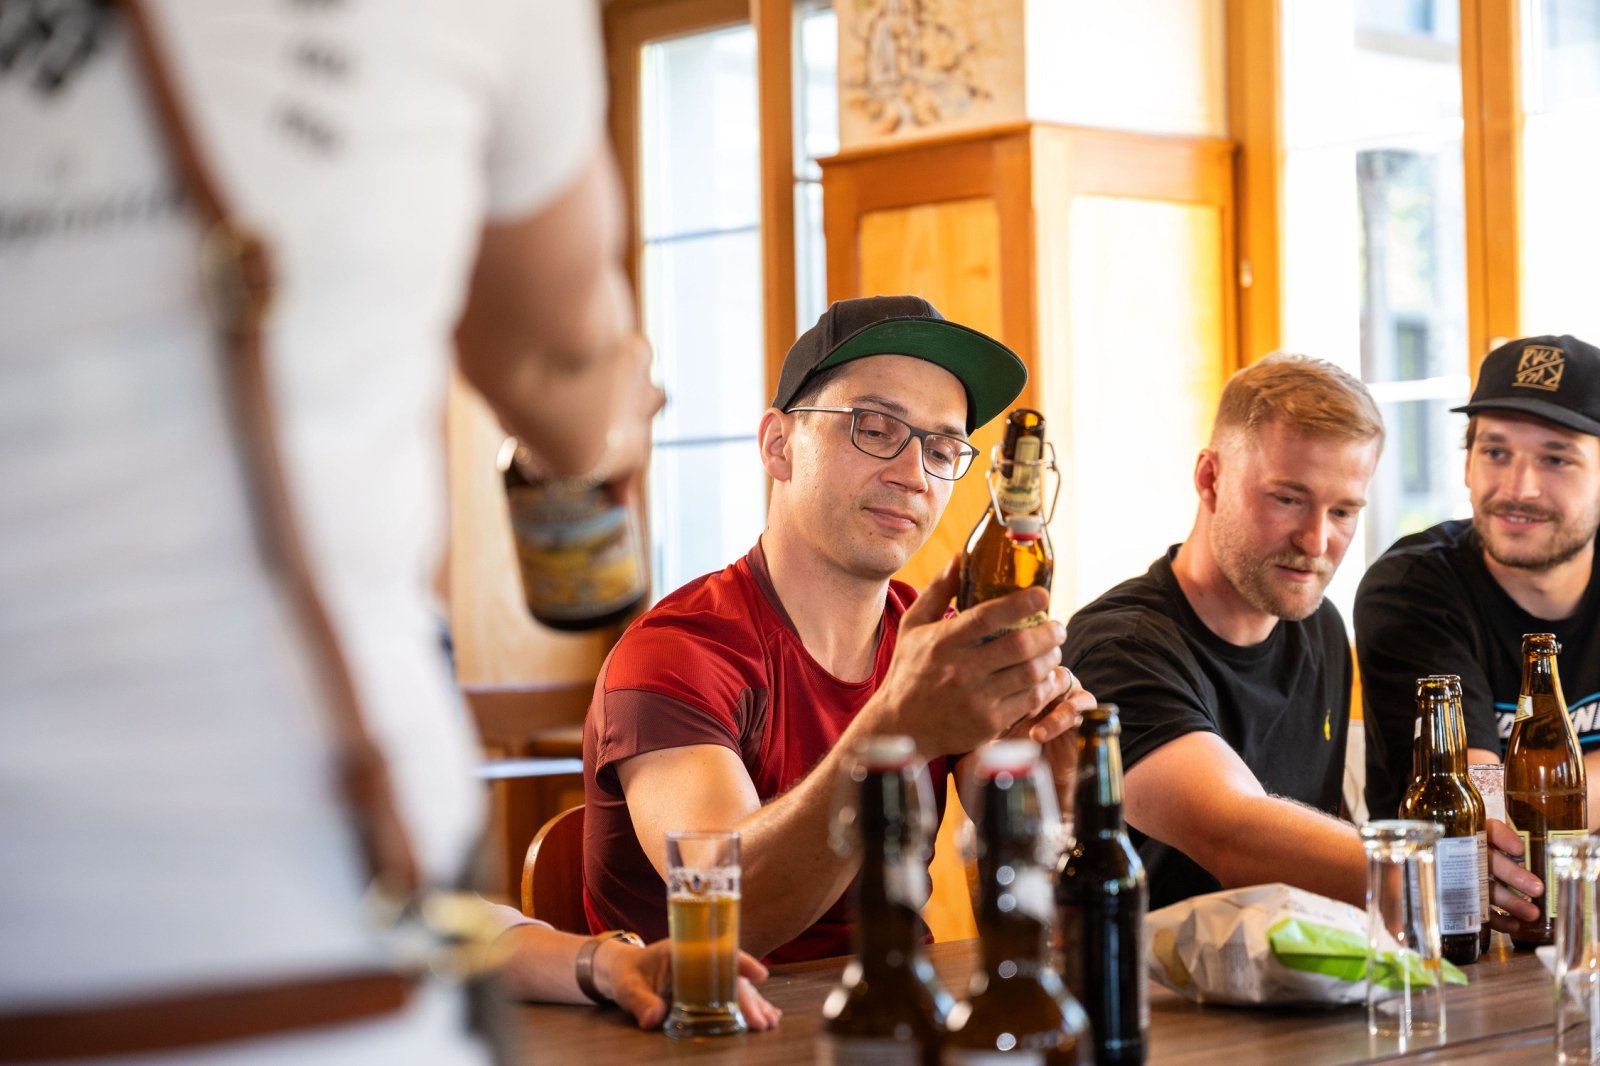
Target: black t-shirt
[
  {"x": 1430, "y": 606},
  {"x": 1283, "y": 704}
]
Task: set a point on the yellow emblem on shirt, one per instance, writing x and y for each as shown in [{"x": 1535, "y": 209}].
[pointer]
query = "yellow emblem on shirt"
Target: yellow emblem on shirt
[{"x": 1327, "y": 723}]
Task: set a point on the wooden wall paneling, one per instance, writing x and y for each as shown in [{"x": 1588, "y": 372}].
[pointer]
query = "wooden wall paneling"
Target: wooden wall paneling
[
  {"x": 949, "y": 253},
  {"x": 1255, "y": 123},
  {"x": 1491, "y": 105}
]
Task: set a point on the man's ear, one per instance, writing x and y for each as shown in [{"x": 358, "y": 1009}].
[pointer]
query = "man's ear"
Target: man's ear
[
  {"x": 1207, "y": 469},
  {"x": 774, "y": 437}
]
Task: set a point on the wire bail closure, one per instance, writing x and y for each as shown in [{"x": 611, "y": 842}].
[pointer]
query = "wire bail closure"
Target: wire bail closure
[{"x": 1045, "y": 464}]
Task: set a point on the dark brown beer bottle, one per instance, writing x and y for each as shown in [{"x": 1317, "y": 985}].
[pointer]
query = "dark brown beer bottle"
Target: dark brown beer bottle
[
  {"x": 1101, "y": 897},
  {"x": 1441, "y": 792},
  {"x": 1017, "y": 1004},
  {"x": 580, "y": 549},
  {"x": 889, "y": 1009},
  {"x": 1009, "y": 549},
  {"x": 1546, "y": 789}
]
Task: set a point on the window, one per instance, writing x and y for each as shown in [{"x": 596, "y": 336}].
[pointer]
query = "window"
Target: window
[
  {"x": 1560, "y": 156},
  {"x": 687, "y": 119},
  {"x": 816, "y": 130},
  {"x": 1374, "y": 274},
  {"x": 700, "y": 291}
]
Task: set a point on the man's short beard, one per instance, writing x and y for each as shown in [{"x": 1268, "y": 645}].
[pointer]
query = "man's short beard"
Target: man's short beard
[{"x": 1562, "y": 550}]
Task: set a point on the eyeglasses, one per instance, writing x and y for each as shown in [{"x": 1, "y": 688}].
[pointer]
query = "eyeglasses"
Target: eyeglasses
[{"x": 884, "y": 436}]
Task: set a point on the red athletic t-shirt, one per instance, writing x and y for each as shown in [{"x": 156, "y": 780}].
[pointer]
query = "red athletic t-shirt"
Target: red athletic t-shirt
[{"x": 716, "y": 662}]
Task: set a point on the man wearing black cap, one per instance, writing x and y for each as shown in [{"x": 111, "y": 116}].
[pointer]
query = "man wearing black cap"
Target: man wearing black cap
[
  {"x": 734, "y": 702},
  {"x": 1458, "y": 597}
]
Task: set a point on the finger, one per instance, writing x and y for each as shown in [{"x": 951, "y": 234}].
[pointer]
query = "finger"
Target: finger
[
  {"x": 991, "y": 616},
  {"x": 639, "y": 1000},
  {"x": 1029, "y": 687},
  {"x": 1059, "y": 718},
  {"x": 1513, "y": 904},
  {"x": 1515, "y": 878},
  {"x": 930, "y": 605},
  {"x": 1020, "y": 646},
  {"x": 758, "y": 1013},
  {"x": 751, "y": 968},
  {"x": 1504, "y": 838}
]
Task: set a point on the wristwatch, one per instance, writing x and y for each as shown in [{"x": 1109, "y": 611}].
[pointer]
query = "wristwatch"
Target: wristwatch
[{"x": 584, "y": 969}]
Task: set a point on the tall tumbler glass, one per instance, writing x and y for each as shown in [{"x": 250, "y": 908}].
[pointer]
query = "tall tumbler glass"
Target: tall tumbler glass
[
  {"x": 1574, "y": 893},
  {"x": 703, "y": 918},
  {"x": 1405, "y": 978}
]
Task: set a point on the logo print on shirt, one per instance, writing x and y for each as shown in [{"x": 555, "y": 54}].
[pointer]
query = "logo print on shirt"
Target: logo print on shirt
[
  {"x": 1540, "y": 367},
  {"x": 1585, "y": 715},
  {"x": 47, "y": 42}
]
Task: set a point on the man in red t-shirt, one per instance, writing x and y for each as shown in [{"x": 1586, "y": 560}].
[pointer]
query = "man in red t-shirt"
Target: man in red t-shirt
[{"x": 733, "y": 702}]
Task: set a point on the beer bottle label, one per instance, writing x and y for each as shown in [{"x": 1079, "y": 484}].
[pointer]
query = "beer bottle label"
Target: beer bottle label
[
  {"x": 1552, "y": 884},
  {"x": 1524, "y": 708},
  {"x": 1483, "y": 877},
  {"x": 1459, "y": 864},
  {"x": 867, "y": 1051},
  {"x": 579, "y": 554}
]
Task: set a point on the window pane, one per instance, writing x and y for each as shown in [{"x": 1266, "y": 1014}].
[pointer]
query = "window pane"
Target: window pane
[
  {"x": 702, "y": 311},
  {"x": 1561, "y": 54},
  {"x": 699, "y": 122},
  {"x": 810, "y": 254},
  {"x": 1560, "y": 156},
  {"x": 1374, "y": 248},
  {"x": 707, "y": 507},
  {"x": 1419, "y": 482},
  {"x": 816, "y": 124}
]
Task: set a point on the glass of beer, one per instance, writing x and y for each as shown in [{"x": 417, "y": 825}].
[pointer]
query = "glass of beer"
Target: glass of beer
[{"x": 703, "y": 917}]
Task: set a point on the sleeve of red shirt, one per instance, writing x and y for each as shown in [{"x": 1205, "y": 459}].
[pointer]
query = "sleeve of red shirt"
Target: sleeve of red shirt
[{"x": 665, "y": 688}]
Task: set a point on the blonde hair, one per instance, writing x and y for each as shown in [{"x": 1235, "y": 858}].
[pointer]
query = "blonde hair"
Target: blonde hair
[{"x": 1310, "y": 396}]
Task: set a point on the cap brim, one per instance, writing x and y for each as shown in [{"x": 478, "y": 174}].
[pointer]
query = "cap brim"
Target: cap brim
[
  {"x": 1530, "y": 405},
  {"x": 991, "y": 373}
]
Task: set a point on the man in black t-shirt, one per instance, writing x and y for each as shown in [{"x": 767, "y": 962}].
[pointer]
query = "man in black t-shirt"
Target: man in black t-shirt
[
  {"x": 1232, "y": 672},
  {"x": 1457, "y": 598}
]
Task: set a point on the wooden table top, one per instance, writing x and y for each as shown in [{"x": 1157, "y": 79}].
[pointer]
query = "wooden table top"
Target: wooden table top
[{"x": 1504, "y": 1016}]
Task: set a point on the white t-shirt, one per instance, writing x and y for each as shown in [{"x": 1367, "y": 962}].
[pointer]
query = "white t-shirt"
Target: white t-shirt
[{"x": 168, "y": 815}]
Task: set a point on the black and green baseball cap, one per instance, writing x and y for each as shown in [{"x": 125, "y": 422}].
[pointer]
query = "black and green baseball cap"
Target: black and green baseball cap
[{"x": 905, "y": 325}]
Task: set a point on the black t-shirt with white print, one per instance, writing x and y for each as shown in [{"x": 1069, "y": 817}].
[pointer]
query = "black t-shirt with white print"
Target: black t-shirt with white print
[
  {"x": 1282, "y": 705},
  {"x": 1430, "y": 606}
]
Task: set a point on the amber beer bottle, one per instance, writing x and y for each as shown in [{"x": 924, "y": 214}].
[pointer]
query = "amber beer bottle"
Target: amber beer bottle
[
  {"x": 1546, "y": 789},
  {"x": 889, "y": 1009},
  {"x": 1101, "y": 897},
  {"x": 580, "y": 548},
  {"x": 1009, "y": 549},
  {"x": 1017, "y": 1004},
  {"x": 1441, "y": 792}
]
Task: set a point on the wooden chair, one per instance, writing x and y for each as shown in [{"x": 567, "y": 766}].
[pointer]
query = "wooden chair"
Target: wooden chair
[{"x": 552, "y": 873}]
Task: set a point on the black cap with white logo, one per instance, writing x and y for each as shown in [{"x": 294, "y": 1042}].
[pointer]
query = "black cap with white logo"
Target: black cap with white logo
[{"x": 1553, "y": 378}]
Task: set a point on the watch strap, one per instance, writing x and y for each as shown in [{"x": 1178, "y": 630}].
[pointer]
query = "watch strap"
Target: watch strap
[{"x": 584, "y": 967}]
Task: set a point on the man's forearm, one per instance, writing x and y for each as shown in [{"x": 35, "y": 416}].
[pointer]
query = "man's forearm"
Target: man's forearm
[
  {"x": 1269, "y": 838},
  {"x": 791, "y": 874}
]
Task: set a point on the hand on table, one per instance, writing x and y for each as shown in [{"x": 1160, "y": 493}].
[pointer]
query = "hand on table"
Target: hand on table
[{"x": 638, "y": 978}]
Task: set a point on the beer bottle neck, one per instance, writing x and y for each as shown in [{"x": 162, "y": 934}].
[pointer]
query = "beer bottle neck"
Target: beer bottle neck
[
  {"x": 1015, "y": 901},
  {"x": 1442, "y": 752},
  {"x": 1540, "y": 678},
  {"x": 1097, "y": 793},
  {"x": 888, "y": 930}
]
